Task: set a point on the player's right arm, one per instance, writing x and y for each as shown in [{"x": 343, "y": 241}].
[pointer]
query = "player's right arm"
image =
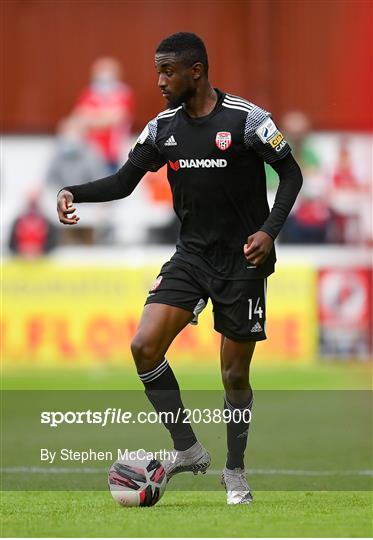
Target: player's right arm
[{"x": 143, "y": 157}]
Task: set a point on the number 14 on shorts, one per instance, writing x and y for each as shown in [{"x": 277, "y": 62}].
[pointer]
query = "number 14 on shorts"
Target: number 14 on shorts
[{"x": 257, "y": 309}]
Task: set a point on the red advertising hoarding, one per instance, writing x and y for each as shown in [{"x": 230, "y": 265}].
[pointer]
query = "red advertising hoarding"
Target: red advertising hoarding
[{"x": 345, "y": 312}]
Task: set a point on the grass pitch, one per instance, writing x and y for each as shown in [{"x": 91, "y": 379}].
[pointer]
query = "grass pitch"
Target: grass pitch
[
  {"x": 185, "y": 513},
  {"x": 197, "y": 514},
  {"x": 194, "y": 375}
]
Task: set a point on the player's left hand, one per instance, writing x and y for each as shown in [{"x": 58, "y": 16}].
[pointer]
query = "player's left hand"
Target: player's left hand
[{"x": 258, "y": 247}]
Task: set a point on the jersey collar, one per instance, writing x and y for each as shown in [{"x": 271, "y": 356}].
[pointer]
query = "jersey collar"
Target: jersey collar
[{"x": 201, "y": 119}]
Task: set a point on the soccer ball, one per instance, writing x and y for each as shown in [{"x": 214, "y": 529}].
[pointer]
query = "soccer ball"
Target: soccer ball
[{"x": 140, "y": 482}]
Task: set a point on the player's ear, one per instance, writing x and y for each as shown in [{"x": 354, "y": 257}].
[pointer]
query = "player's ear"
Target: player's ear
[{"x": 197, "y": 70}]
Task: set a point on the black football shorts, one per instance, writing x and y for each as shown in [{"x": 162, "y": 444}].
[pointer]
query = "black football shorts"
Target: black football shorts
[{"x": 239, "y": 307}]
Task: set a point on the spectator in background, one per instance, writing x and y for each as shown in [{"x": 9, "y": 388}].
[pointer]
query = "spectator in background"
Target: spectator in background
[
  {"x": 296, "y": 125},
  {"x": 309, "y": 221},
  {"x": 74, "y": 160},
  {"x": 106, "y": 107},
  {"x": 296, "y": 128},
  {"x": 344, "y": 176},
  {"x": 349, "y": 197},
  {"x": 32, "y": 234}
]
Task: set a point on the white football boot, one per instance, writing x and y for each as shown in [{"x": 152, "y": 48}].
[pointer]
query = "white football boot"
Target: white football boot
[
  {"x": 196, "y": 459},
  {"x": 235, "y": 483}
]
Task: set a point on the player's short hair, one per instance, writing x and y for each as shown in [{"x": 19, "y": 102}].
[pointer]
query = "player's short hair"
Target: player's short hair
[{"x": 188, "y": 45}]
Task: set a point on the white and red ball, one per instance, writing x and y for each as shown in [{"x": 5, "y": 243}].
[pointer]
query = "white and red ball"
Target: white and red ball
[{"x": 139, "y": 482}]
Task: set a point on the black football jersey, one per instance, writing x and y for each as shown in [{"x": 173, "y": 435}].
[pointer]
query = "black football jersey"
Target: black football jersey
[{"x": 215, "y": 167}]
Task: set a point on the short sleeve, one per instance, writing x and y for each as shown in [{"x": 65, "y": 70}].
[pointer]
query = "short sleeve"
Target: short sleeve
[
  {"x": 145, "y": 153},
  {"x": 263, "y": 136}
]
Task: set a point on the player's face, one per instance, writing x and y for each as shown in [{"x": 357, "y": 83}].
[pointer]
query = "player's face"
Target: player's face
[{"x": 175, "y": 79}]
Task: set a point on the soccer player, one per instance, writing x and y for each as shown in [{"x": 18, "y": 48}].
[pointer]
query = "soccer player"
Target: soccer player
[{"x": 214, "y": 145}]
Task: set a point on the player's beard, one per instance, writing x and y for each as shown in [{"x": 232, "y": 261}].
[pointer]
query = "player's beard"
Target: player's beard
[{"x": 176, "y": 101}]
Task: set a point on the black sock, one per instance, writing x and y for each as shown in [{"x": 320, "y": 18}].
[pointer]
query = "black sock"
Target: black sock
[
  {"x": 163, "y": 392},
  {"x": 237, "y": 431}
]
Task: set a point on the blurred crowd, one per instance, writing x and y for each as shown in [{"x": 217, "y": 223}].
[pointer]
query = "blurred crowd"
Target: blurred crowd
[
  {"x": 332, "y": 205},
  {"x": 94, "y": 139}
]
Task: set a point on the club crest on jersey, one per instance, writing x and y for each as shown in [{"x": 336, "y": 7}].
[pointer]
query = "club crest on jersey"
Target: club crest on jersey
[{"x": 223, "y": 140}]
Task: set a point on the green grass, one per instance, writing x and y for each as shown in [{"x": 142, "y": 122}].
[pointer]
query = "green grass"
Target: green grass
[
  {"x": 197, "y": 514},
  {"x": 195, "y": 376}
]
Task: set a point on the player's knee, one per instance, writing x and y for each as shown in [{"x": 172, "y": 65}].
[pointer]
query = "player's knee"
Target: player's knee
[
  {"x": 234, "y": 378},
  {"x": 144, "y": 352}
]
